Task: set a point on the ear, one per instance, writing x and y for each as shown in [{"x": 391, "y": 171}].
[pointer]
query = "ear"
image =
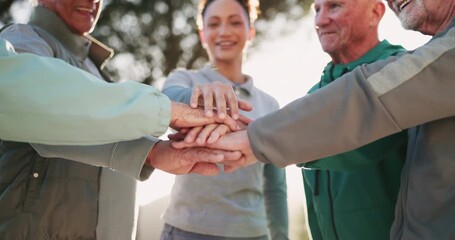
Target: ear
[
  {"x": 251, "y": 34},
  {"x": 40, "y": 2},
  {"x": 377, "y": 13},
  {"x": 202, "y": 38}
]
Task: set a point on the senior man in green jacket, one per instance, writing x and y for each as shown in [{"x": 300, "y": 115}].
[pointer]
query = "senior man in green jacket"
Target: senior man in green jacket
[{"x": 352, "y": 195}]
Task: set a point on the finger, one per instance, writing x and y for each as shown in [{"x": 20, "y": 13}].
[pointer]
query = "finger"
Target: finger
[
  {"x": 195, "y": 95},
  {"x": 205, "y": 133},
  {"x": 230, "y": 169},
  {"x": 232, "y": 156},
  {"x": 230, "y": 122},
  {"x": 182, "y": 144},
  {"x": 220, "y": 102},
  {"x": 244, "y": 105},
  {"x": 231, "y": 166},
  {"x": 192, "y": 134},
  {"x": 219, "y": 131},
  {"x": 176, "y": 136},
  {"x": 244, "y": 119},
  {"x": 184, "y": 130},
  {"x": 233, "y": 104},
  {"x": 208, "y": 102},
  {"x": 233, "y": 160},
  {"x": 205, "y": 169},
  {"x": 242, "y": 125},
  {"x": 204, "y": 155}
]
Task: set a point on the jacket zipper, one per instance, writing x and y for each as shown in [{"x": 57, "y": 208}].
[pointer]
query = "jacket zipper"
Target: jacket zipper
[
  {"x": 316, "y": 182},
  {"x": 399, "y": 222}
]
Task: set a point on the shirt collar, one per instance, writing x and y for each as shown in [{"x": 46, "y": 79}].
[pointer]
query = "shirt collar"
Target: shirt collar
[
  {"x": 333, "y": 71},
  {"x": 213, "y": 75},
  {"x": 370, "y": 56},
  {"x": 80, "y": 46}
]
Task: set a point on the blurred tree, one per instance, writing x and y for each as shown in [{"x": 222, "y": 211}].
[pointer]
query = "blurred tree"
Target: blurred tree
[
  {"x": 153, "y": 37},
  {"x": 5, "y": 6}
]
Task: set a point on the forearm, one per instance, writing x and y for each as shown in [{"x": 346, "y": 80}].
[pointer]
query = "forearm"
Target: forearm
[
  {"x": 318, "y": 125},
  {"x": 369, "y": 103},
  {"x": 42, "y": 103},
  {"x": 126, "y": 157},
  {"x": 178, "y": 94}
]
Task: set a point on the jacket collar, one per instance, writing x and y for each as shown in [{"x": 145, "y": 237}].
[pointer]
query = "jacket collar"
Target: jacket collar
[
  {"x": 80, "y": 46},
  {"x": 382, "y": 49}
]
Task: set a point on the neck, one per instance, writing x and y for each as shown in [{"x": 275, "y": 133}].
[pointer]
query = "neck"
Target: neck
[
  {"x": 231, "y": 70},
  {"x": 448, "y": 20},
  {"x": 357, "y": 50},
  {"x": 439, "y": 22}
]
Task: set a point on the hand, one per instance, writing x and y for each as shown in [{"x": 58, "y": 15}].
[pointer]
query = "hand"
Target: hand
[
  {"x": 189, "y": 160},
  {"x": 220, "y": 95},
  {"x": 201, "y": 135},
  {"x": 183, "y": 116},
  {"x": 234, "y": 141},
  {"x": 207, "y": 134}
]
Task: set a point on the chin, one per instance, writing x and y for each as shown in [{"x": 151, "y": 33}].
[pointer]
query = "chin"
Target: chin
[
  {"x": 226, "y": 57},
  {"x": 410, "y": 22}
]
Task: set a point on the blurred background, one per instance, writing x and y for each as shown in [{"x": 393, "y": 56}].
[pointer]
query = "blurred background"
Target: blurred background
[{"x": 153, "y": 37}]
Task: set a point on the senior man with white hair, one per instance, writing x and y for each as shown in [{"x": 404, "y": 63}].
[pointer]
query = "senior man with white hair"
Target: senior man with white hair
[{"x": 77, "y": 192}]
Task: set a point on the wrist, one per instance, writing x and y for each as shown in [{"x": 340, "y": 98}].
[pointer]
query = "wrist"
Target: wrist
[{"x": 153, "y": 153}]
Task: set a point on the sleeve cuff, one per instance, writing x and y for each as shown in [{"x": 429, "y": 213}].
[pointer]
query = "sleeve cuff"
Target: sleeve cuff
[{"x": 129, "y": 157}]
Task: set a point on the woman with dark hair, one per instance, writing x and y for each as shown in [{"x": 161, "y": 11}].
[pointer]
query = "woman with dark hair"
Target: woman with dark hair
[{"x": 250, "y": 203}]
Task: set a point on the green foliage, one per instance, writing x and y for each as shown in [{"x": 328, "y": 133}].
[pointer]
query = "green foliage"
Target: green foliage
[{"x": 153, "y": 37}]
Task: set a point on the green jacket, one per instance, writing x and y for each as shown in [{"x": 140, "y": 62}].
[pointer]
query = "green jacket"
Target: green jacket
[{"x": 352, "y": 195}]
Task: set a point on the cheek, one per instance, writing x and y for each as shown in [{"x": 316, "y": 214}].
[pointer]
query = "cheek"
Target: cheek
[
  {"x": 65, "y": 14},
  {"x": 210, "y": 38}
]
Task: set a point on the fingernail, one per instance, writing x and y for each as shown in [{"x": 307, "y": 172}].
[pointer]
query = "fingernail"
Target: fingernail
[{"x": 221, "y": 115}]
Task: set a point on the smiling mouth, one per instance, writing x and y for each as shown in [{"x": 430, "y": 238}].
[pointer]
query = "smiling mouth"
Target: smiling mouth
[
  {"x": 225, "y": 44},
  {"x": 85, "y": 9},
  {"x": 325, "y": 33},
  {"x": 403, "y": 4}
]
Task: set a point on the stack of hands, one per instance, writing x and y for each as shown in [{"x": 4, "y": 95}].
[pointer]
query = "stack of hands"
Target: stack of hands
[{"x": 209, "y": 131}]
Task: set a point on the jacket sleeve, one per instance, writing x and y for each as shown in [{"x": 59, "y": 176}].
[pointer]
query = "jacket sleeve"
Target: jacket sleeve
[
  {"x": 275, "y": 194},
  {"x": 42, "y": 103},
  {"x": 126, "y": 157},
  {"x": 178, "y": 86},
  {"x": 364, "y": 105}
]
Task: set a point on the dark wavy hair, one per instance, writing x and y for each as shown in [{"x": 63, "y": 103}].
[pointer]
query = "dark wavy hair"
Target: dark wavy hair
[{"x": 251, "y": 8}]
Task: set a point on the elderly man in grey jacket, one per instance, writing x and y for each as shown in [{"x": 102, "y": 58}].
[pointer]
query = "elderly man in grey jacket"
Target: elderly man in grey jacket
[
  {"x": 61, "y": 192},
  {"x": 414, "y": 90}
]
